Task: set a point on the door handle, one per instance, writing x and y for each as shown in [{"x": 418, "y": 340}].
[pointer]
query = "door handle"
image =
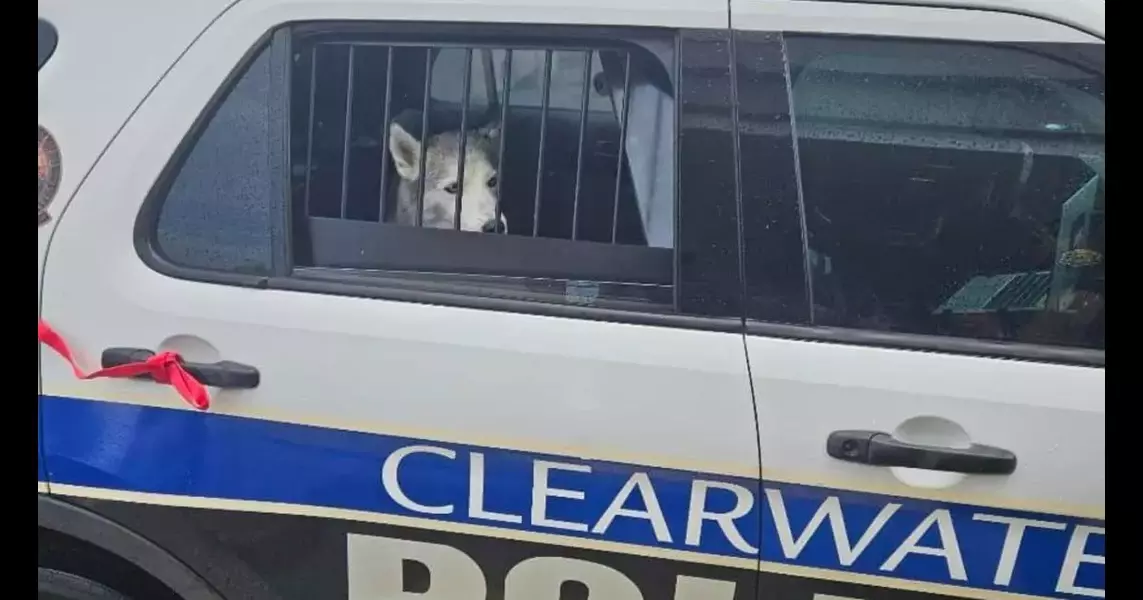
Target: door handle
[
  {"x": 223, "y": 374},
  {"x": 881, "y": 449}
]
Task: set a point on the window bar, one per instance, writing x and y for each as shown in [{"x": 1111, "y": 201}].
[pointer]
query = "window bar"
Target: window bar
[
  {"x": 423, "y": 172},
  {"x": 503, "y": 125},
  {"x": 545, "y": 97},
  {"x": 585, "y": 96},
  {"x": 622, "y": 144},
  {"x": 466, "y": 91},
  {"x": 310, "y": 127},
  {"x": 345, "y": 148},
  {"x": 385, "y": 133},
  {"x": 490, "y": 77}
]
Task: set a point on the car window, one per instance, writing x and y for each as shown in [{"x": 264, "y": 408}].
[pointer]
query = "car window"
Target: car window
[
  {"x": 557, "y": 204},
  {"x": 216, "y": 210},
  {"x": 952, "y": 189}
]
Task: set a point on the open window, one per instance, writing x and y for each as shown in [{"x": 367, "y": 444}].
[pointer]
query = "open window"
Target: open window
[{"x": 570, "y": 145}]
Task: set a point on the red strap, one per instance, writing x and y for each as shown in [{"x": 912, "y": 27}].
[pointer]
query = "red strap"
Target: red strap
[{"x": 163, "y": 367}]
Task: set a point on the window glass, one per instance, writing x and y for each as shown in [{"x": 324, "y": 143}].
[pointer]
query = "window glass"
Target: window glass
[
  {"x": 322, "y": 134},
  {"x": 556, "y": 203},
  {"x": 953, "y": 189},
  {"x": 216, "y": 213}
]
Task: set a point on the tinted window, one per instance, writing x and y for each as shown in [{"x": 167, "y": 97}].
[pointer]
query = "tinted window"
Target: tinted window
[
  {"x": 954, "y": 189},
  {"x": 217, "y": 209}
]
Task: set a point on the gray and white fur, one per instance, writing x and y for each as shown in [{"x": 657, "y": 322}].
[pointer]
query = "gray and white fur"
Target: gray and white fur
[{"x": 481, "y": 186}]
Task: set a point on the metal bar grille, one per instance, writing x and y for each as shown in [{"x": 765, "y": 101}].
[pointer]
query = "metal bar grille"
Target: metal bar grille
[
  {"x": 580, "y": 196},
  {"x": 545, "y": 98},
  {"x": 421, "y": 166},
  {"x": 310, "y": 128},
  {"x": 490, "y": 76},
  {"x": 585, "y": 97},
  {"x": 346, "y": 147},
  {"x": 462, "y": 145},
  {"x": 504, "y": 123},
  {"x": 385, "y": 133},
  {"x": 622, "y": 145}
]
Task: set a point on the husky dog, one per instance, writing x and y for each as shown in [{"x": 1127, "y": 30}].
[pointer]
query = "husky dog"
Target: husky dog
[{"x": 481, "y": 188}]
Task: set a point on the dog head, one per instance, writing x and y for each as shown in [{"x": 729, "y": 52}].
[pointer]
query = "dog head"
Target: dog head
[{"x": 442, "y": 160}]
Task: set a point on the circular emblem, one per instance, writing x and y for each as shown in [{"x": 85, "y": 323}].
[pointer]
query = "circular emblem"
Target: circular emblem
[{"x": 49, "y": 172}]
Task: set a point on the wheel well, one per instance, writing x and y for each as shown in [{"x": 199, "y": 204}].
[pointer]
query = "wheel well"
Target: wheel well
[{"x": 65, "y": 553}]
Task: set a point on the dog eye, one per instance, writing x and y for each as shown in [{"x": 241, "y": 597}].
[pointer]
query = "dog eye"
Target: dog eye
[
  {"x": 492, "y": 181},
  {"x": 451, "y": 188}
]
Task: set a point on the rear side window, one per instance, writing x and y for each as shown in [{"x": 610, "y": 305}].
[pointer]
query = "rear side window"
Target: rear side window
[
  {"x": 566, "y": 189},
  {"x": 334, "y": 162},
  {"x": 952, "y": 189},
  {"x": 46, "y": 38}
]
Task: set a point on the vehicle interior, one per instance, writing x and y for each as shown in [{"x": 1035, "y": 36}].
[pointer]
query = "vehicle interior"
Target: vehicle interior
[
  {"x": 644, "y": 215},
  {"x": 979, "y": 185}
]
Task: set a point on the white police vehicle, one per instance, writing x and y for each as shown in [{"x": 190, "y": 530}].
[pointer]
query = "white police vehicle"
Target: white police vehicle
[{"x": 799, "y": 300}]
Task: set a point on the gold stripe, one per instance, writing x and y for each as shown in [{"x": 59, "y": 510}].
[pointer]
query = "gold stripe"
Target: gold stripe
[
  {"x": 948, "y": 495},
  {"x": 44, "y": 487},
  {"x": 344, "y": 514},
  {"x": 529, "y": 536},
  {"x": 728, "y": 470}
]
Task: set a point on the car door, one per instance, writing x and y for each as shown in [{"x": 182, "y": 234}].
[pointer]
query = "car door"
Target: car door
[
  {"x": 923, "y": 221},
  {"x": 451, "y": 413}
]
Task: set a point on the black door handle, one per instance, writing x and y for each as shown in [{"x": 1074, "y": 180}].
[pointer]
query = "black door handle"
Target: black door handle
[
  {"x": 223, "y": 374},
  {"x": 881, "y": 449}
]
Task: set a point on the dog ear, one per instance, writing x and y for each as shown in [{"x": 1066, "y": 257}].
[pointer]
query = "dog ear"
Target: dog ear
[{"x": 405, "y": 150}]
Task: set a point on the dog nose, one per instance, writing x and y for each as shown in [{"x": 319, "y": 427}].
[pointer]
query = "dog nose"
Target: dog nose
[{"x": 493, "y": 226}]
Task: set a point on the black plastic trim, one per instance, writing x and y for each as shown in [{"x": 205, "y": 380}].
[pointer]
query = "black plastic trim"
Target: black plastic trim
[
  {"x": 79, "y": 523},
  {"x": 996, "y": 9},
  {"x": 225, "y": 374},
  {"x": 343, "y": 243},
  {"x": 879, "y": 449},
  {"x": 1080, "y": 357},
  {"x": 461, "y": 300}
]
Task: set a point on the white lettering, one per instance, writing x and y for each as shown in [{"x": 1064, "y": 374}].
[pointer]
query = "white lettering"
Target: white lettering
[
  {"x": 1074, "y": 557},
  {"x": 654, "y": 512},
  {"x": 829, "y": 509},
  {"x": 949, "y": 550},
  {"x": 698, "y": 588},
  {"x": 391, "y": 484},
  {"x": 1012, "y": 540},
  {"x": 476, "y": 493},
  {"x": 541, "y": 578},
  {"x": 697, "y": 513},
  {"x": 375, "y": 570},
  {"x": 541, "y": 492}
]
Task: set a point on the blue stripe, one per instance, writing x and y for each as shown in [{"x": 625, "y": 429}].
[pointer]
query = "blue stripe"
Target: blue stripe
[{"x": 147, "y": 449}]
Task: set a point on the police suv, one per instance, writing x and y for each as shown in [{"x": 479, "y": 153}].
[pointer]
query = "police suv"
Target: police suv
[{"x": 571, "y": 299}]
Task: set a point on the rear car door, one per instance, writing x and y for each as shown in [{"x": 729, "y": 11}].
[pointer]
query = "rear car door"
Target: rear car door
[
  {"x": 568, "y": 403},
  {"x": 923, "y": 214}
]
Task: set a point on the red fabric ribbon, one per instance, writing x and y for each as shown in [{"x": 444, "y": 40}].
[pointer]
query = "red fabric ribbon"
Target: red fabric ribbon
[{"x": 164, "y": 368}]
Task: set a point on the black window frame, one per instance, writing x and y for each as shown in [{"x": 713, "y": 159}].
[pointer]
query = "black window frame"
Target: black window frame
[
  {"x": 710, "y": 303},
  {"x": 788, "y": 314}
]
